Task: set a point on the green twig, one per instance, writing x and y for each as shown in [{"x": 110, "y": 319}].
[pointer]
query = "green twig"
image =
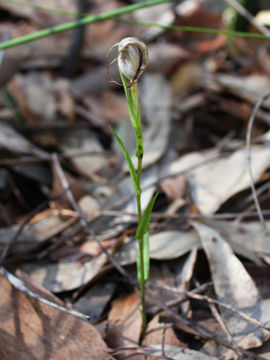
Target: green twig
[
  {"x": 88, "y": 19},
  {"x": 81, "y": 22},
  {"x": 198, "y": 29}
]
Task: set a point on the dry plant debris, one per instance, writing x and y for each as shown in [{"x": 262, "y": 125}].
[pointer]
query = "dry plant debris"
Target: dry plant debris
[{"x": 67, "y": 213}]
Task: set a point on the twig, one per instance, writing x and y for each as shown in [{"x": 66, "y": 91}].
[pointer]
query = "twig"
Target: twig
[
  {"x": 204, "y": 333},
  {"x": 194, "y": 295},
  {"x": 83, "y": 220},
  {"x": 12, "y": 241},
  {"x": 248, "y": 150},
  {"x": 180, "y": 299},
  {"x": 164, "y": 328},
  {"x": 35, "y": 211},
  {"x": 246, "y": 14},
  {"x": 226, "y": 330},
  {"x": 19, "y": 285}
]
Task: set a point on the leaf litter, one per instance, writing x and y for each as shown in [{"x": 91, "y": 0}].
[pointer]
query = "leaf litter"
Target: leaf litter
[{"x": 197, "y": 97}]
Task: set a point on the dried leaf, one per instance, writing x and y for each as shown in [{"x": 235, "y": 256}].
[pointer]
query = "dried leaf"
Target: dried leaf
[
  {"x": 233, "y": 286},
  {"x": 232, "y": 283},
  {"x": 109, "y": 226},
  {"x": 14, "y": 142},
  {"x": 245, "y": 334},
  {"x": 43, "y": 18},
  {"x": 154, "y": 334},
  {"x": 94, "y": 301},
  {"x": 250, "y": 87},
  {"x": 87, "y": 144},
  {"x": 32, "y": 330},
  {"x": 64, "y": 276},
  {"x": 178, "y": 353},
  {"x": 163, "y": 246},
  {"x": 124, "y": 322},
  {"x": 156, "y": 103},
  {"x": 34, "y": 97},
  {"x": 213, "y": 181},
  {"x": 33, "y": 234}
]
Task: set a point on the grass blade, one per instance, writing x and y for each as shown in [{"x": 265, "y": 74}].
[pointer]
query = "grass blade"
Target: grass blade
[
  {"x": 84, "y": 21},
  {"x": 131, "y": 167}
]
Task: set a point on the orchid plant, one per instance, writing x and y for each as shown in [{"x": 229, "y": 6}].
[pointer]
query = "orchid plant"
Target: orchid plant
[{"x": 132, "y": 58}]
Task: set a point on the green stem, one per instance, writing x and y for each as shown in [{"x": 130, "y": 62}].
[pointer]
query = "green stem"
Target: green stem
[
  {"x": 139, "y": 155},
  {"x": 229, "y": 33},
  {"x": 139, "y": 171},
  {"x": 196, "y": 29},
  {"x": 142, "y": 287},
  {"x": 81, "y": 22},
  {"x": 135, "y": 117}
]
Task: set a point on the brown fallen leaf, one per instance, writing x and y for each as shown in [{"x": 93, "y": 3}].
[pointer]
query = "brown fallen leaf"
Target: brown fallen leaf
[
  {"x": 159, "y": 332},
  {"x": 124, "y": 322},
  {"x": 174, "y": 188},
  {"x": 31, "y": 330}
]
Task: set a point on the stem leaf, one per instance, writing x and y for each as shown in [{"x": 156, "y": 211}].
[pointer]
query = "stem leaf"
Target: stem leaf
[
  {"x": 131, "y": 167},
  {"x": 143, "y": 276},
  {"x": 144, "y": 222},
  {"x": 142, "y": 235}
]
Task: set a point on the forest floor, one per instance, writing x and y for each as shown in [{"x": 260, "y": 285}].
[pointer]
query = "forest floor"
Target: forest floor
[{"x": 67, "y": 210}]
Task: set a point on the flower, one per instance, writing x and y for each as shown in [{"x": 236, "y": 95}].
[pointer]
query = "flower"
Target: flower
[{"x": 132, "y": 58}]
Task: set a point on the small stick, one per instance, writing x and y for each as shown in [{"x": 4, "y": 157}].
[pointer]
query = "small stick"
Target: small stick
[
  {"x": 19, "y": 285},
  {"x": 246, "y": 14},
  {"x": 248, "y": 150},
  {"x": 34, "y": 212},
  {"x": 204, "y": 333},
  {"x": 226, "y": 330},
  {"x": 196, "y": 296},
  {"x": 84, "y": 222}
]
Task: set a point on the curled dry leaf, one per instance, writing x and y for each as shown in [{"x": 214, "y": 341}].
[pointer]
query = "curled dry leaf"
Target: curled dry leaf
[
  {"x": 172, "y": 244},
  {"x": 214, "y": 180},
  {"x": 233, "y": 286},
  {"x": 232, "y": 283},
  {"x": 245, "y": 334}
]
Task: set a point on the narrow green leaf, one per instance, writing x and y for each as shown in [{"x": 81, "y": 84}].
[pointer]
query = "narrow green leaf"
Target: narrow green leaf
[
  {"x": 144, "y": 222},
  {"x": 132, "y": 170},
  {"x": 143, "y": 239}
]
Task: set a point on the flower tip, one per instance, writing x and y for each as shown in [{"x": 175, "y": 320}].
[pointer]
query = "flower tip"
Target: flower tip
[{"x": 132, "y": 58}]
